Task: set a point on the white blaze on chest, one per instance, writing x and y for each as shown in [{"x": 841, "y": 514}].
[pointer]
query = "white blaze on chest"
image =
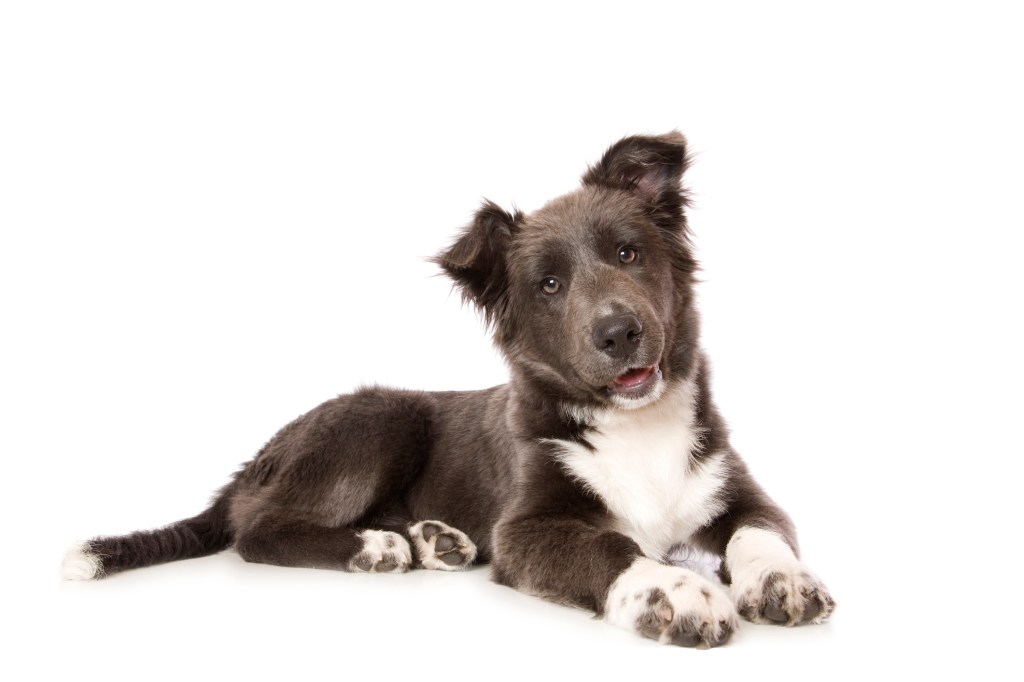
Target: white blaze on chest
[{"x": 641, "y": 468}]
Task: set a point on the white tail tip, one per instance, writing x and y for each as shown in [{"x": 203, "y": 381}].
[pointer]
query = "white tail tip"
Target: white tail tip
[{"x": 80, "y": 563}]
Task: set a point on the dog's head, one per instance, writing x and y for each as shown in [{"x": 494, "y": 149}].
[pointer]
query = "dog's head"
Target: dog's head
[{"x": 590, "y": 296}]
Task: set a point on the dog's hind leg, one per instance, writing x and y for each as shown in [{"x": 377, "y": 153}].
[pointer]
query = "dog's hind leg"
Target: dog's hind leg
[
  {"x": 306, "y": 545},
  {"x": 440, "y": 547},
  {"x": 327, "y": 491}
]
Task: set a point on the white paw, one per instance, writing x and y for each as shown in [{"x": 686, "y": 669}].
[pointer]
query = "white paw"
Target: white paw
[
  {"x": 441, "y": 547},
  {"x": 770, "y": 585},
  {"x": 671, "y": 604},
  {"x": 81, "y": 563},
  {"x": 382, "y": 552}
]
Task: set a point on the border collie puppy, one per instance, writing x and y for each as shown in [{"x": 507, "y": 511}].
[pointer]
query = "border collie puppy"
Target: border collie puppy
[{"x": 574, "y": 480}]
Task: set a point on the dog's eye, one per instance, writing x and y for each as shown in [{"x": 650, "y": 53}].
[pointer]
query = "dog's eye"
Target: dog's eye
[
  {"x": 627, "y": 255},
  {"x": 550, "y": 285}
]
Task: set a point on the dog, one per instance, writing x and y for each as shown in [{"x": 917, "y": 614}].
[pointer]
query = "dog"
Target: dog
[{"x": 576, "y": 479}]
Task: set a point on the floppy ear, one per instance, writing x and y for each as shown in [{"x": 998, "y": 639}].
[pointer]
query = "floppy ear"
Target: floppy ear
[
  {"x": 648, "y": 167},
  {"x": 476, "y": 262}
]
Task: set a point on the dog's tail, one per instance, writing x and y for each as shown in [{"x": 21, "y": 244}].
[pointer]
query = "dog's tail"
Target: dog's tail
[{"x": 202, "y": 535}]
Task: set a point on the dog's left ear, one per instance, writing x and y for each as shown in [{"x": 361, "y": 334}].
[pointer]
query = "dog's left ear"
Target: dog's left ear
[
  {"x": 476, "y": 261},
  {"x": 648, "y": 167}
]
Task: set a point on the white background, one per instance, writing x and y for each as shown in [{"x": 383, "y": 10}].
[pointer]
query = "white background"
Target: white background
[{"x": 215, "y": 216}]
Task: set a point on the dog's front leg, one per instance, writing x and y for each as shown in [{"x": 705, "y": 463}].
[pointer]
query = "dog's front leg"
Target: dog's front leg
[
  {"x": 757, "y": 543},
  {"x": 770, "y": 584},
  {"x": 557, "y": 544}
]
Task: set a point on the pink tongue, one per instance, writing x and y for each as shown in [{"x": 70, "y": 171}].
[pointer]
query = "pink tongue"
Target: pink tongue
[{"x": 634, "y": 377}]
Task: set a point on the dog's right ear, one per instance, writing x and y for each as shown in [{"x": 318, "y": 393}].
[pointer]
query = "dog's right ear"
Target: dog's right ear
[{"x": 476, "y": 261}]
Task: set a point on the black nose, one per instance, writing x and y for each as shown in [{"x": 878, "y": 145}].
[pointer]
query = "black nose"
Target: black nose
[{"x": 618, "y": 335}]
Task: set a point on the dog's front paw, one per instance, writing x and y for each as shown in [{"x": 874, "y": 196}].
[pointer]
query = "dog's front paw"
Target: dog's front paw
[
  {"x": 382, "y": 552},
  {"x": 784, "y": 593},
  {"x": 670, "y": 604},
  {"x": 770, "y": 585}
]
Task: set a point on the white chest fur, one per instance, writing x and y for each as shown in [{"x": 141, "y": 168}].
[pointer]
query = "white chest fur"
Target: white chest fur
[{"x": 642, "y": 468}]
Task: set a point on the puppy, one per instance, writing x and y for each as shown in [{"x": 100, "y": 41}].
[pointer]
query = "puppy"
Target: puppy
[{"x": 575, "y": 479}]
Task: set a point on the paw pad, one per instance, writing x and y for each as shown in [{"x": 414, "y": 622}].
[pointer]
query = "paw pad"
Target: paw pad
[{"x": 441, "y": 547}]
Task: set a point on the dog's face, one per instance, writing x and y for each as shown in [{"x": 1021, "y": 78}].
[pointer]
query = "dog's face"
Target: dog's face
[{"x": 590, "y": 295}]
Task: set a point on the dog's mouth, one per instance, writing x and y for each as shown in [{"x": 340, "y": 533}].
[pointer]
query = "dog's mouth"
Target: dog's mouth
[{"x": 636, "y": 383}]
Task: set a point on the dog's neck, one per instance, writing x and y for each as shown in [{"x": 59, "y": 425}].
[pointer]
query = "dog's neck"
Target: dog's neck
[{"x": 569, "y": 418}]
